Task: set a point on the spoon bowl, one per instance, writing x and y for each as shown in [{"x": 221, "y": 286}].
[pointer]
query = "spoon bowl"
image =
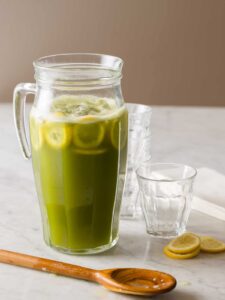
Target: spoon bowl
[{"x": 136, "y": 281}]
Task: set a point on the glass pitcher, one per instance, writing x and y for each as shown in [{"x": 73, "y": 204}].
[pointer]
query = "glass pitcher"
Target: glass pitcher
[{"x": 78, "y": 136}]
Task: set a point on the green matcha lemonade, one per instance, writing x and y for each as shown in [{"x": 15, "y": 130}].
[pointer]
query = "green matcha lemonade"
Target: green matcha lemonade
[
  {"x": 79, "y": 153},
  {"x": 78, "y": 137}
]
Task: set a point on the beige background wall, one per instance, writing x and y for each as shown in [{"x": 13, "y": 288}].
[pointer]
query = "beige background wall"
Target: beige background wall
[{"x": 174, "y": 50}]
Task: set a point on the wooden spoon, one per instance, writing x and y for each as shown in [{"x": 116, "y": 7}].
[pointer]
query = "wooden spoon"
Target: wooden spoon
[{"x": 122, "y": 280}]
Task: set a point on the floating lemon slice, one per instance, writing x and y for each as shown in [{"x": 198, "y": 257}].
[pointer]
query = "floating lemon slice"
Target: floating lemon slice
[
  {"x": 89, "y": 133},
  {"x": 211, "y": 245},
  {"x": 181, "y": 256},
  {"x": 36, "y": 135},
  {"x": 118, "y": 132},
  {"x": 57, "y": 135},
  {"x": 186, "y": 243}
]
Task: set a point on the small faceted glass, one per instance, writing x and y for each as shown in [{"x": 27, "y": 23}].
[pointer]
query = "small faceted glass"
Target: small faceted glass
[
  {"x": 78, "y": 136},
  {"x": 166, "y": 194}
]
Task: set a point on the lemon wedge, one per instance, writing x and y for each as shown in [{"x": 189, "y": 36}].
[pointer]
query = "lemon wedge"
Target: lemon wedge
[
  {"x": 36, "y": 133},
  {"x": 57, "y": 135},
  {"x": 211, "y": 245},
  {"x": 184, "y": 244},
  {"x": 89, "y": 133},
  {"x": 180, "y": 256}
]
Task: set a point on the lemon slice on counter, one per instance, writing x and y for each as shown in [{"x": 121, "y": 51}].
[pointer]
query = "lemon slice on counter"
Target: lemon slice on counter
[
  {"x": 89, "y": 133},
  {"x": 180, "y": 256},
  {"x": 186, "y": 243},
  {"x": 119, "y": 131},
  {"x": 57, "y": 135},
  {"x": 211, "y": 245},
  {"x": 36, "y": 135}
]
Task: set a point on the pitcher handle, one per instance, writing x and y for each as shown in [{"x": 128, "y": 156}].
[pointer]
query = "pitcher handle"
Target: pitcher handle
[{"x": 19, "y": 99}]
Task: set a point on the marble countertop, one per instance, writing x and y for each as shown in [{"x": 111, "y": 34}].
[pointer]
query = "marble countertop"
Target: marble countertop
[{"x": 194, "y": 136}]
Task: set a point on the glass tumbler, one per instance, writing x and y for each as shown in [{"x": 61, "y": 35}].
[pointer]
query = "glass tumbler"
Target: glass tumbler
[
  {"x": 139, "y": 144},
  {"x": 78, "y": 136},
  {"x": 166, "y": 194}
]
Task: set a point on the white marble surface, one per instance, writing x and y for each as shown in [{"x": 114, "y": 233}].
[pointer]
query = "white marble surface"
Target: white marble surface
[{"x": 189, "y": 135}]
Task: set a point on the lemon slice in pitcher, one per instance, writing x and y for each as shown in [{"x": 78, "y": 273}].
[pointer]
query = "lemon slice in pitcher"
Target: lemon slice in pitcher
[
  {"x": 57, "y": 135},
  {"x": 89, "y": 133},
  {"x": 36, "y": 135}
]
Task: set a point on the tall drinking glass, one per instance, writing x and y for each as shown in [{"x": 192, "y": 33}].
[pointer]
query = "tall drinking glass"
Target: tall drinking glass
[
  {"x": 78, "y": 134},
  {"x": 139, "y": 144}
]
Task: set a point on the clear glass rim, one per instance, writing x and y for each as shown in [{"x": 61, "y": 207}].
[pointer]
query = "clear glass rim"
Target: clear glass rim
[
  {"x": 79, "y": 69},
  {"x": 49, "y": 61},
  {"x": 148, "y": 164}
]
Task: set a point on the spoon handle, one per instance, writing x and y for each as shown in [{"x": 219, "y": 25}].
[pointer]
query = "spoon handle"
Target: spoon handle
[{"x": 46, "y": 265}]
